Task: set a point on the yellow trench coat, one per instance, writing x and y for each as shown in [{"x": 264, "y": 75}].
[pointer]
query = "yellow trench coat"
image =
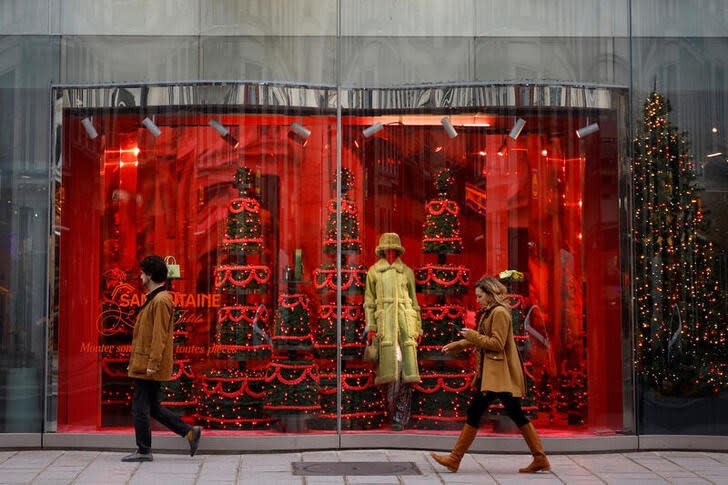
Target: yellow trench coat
[
  {"x": 498, "y": 365},
  {"x": 151, "y": 345},
  {"x": 391, "y": 310}
]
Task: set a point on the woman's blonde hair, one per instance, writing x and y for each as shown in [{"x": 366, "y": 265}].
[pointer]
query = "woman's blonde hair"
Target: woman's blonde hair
[{"x": 494, "y": 288}]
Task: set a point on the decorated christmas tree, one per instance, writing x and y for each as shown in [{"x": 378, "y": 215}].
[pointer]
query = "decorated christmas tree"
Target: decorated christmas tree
[
  {"x": 232, "y": 399},
  {"x": 362, "y": 401},
  {"x": 350, "y": 242},
  {"x": 243, "y": 224},
  {"x": 353, "y": 278},
  {"x": 441, "y": 321},
  {"x": 441, "y": 400},
  {"x": 436, "y": 402},
  {"x": 231, "y": 395},
  {"x": 291, "y": 381},
  {"x": 442, "y": 237},
  {"x": 292, "y": 391},
  {"x": 292, "y": 327},
  {"x": 680, "y": 315},
  {"x": 178, "y": 392}
]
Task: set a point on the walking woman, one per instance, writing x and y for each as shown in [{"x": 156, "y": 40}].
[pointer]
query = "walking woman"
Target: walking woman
[{"x": 499, "y": 375}]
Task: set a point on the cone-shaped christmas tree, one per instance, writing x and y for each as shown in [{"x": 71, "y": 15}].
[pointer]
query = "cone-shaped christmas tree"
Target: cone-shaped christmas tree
[
  {"x": 231, "y": 396},
  {"x": 362, "y": 405},
  {"x": 353, "y": 277},
  {"x": 681, "y": 322},
  {"x": 437, "y": 402}
]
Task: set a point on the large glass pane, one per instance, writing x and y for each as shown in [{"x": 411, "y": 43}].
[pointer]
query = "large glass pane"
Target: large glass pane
[
  {"x": 525, "y": 194},
  {"x": 680, "y": 223},
  {"x": 26, "y": 69},
  {"x": 233, "y": 193}
]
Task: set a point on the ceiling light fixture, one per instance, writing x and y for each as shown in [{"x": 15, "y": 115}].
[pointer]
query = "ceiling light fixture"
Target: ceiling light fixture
[{"x": 224, "y": 133}]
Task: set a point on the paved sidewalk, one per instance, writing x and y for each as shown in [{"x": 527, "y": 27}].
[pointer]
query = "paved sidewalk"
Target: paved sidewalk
[{"x": 94, "y": 467}]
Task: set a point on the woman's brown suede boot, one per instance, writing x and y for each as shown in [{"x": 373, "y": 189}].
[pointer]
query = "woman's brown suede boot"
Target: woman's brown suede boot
[
  {"x": 540, "y": 462},
  {"x": 452, "y": 461}
]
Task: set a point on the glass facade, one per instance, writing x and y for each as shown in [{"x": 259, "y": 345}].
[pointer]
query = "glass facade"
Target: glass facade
[{"x": 507, "y": 138}]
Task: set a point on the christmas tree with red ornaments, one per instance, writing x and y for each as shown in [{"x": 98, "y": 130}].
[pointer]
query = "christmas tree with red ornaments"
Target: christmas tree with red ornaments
[
  {"x": 231, "y": 394},
  {"x": 439, "y": 401},
  {"x": 362, "y": 403}
]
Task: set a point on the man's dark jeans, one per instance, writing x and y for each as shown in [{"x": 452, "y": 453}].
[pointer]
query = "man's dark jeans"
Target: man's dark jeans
[{"x": 146, "y": 404}]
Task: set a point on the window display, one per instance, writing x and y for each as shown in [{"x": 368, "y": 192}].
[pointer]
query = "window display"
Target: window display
[{"x": 282, "y": 252}]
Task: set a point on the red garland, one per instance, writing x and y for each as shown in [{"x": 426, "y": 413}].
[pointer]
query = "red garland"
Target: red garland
[
  {"x": 173, "y": 404},
  {"x": 460, "y": 277},
  {"x": 350, "y": 277},
  {"x": 271, "y": 407},
  {"x": 369, "y": 414},
  {"x": 286, "y": 338},
  {"x": 244, "y": 312},
  {"x": 224, "y": 274},
  {"x": 332, "y": 242},
  {"x": 112, "y": 373},
  {"x": 343, "y": 346},
  {"x": 231, "y": 349},
  {"x": 438, "y": 418},
  {"x": 245, "y": 204},
  {"x": 368, "y": 383},
  {"x": 235, "y": 421},
  {"x": 181, "y": 370},
  {"x": 442, "y": 384},
  {"x": 441, "y": 239},
  {"x": 348, "y": 312},
  {"x": 244, "y": 387},
  {"x": 438, "y": 207},
  {"x": 293, "y": 300},
  {"x": 440, "y": 312},
  {"x": 242, "y": 240},
  {"x": 309, "y": 370}
]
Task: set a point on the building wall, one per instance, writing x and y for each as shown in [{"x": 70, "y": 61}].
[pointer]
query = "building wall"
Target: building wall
[{"x": 676, "y": 46}]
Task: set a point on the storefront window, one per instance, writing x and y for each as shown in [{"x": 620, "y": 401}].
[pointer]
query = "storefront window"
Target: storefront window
[
  {"x": 516, "y": 194},
  {"x": 680, "y": 225},
  {"x": 275, "y": 248}
]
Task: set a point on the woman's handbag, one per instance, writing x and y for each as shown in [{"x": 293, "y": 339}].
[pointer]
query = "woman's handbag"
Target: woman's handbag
[
  {"x": 173, "y": 271},
  {"x": 371, "y": 352}
]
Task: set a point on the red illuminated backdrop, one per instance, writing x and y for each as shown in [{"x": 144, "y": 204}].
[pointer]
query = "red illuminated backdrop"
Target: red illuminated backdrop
[{"x": 546, "y": 206}]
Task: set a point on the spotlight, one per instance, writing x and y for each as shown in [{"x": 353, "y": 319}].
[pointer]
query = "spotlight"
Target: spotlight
[
  {"x": 517, "y": 127},
  {"x": 587, "y": 130},
  {"x": 88, "y": 125},
  {"x": 299, "y": 134},
  {"x": 449, "y": 128},
  {"x": 301, "y": 130},
  {"x": 375, "y": 128},
  {"x": 224, "y": 133},
  {"x": 151, "y": 126}
]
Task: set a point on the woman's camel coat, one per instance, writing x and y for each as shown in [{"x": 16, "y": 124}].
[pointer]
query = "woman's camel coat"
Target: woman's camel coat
[{"x": 498, "y": 365}]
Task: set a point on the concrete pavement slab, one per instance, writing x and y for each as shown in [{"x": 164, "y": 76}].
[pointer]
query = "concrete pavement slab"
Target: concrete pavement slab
[{"x": 91, "y": 467}]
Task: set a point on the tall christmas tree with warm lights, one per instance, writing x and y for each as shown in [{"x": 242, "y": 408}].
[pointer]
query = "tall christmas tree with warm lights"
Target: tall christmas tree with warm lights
[{"x": 681, "y": 326}]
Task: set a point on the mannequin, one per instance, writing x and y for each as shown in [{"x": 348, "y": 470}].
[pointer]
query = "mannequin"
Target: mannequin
[{"x": 393, "y": 315}]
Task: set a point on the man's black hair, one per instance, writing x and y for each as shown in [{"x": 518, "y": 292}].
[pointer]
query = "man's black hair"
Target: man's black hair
[{"x": 155, "y": 267}]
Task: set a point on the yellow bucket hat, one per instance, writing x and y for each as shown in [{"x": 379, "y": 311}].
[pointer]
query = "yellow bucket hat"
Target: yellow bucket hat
[{"x": 389, "y": 240}]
